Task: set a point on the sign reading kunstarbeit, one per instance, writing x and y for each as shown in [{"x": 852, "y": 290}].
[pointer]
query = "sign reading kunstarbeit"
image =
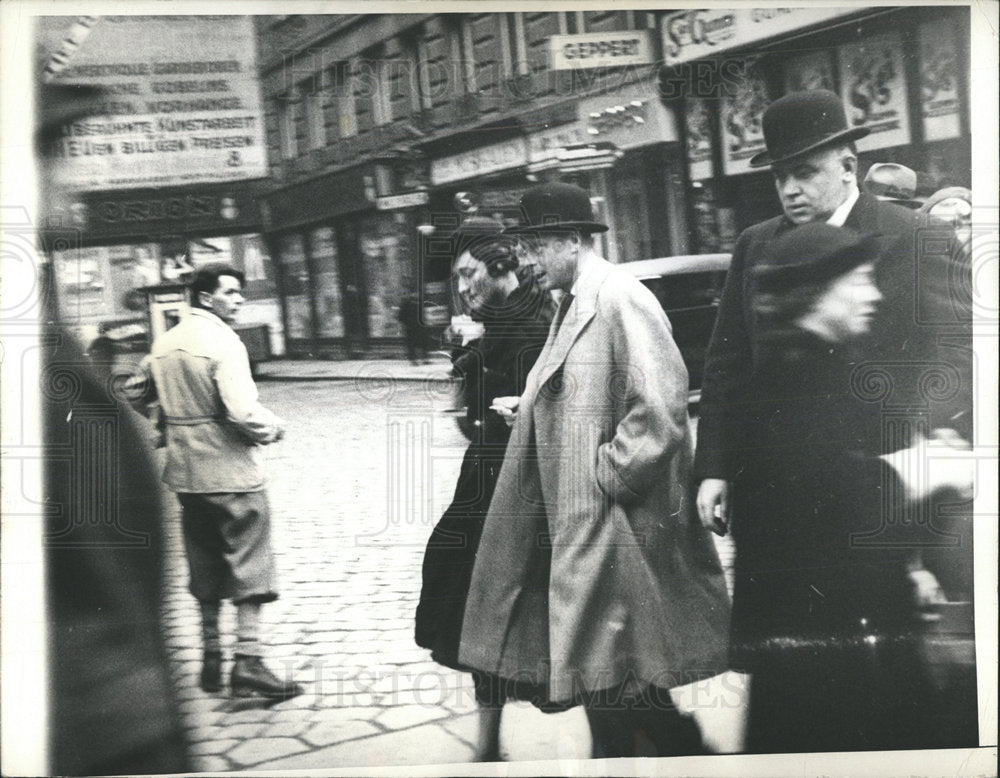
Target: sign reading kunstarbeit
[
  {"x": 182, "y": 101},
  {"x": 601, "y": 49},
  {"x": 691, "y": 35},
  {"x": 479, "y": 162}
]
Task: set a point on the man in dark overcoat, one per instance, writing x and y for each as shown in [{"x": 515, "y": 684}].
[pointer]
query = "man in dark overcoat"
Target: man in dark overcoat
[
  {"x": 600, "y": 584},
  {"x": 919, "y": 351}
]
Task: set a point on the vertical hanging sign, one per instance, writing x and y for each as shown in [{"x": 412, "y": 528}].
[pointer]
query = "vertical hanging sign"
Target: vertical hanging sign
[
  {"x": 873, "y": 88},
  {"x": 699, "y": 139},
  {"x": 939, "y": 81},
  {"x": 743, "y": 107}
]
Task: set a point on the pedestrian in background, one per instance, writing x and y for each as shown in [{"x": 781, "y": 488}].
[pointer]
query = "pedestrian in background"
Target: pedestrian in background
[
  {"x": 413, "y": 331},
  {"x": 952, "y": 205},
  {"x": 810, "y": 149},
  {"x": 595, "y": 580},
  {"x": 827, "y": 627},
  {"x": 515, "y": 314},
  {"x": 198, "y": 377},
  {"x": 893, "y": 183}
]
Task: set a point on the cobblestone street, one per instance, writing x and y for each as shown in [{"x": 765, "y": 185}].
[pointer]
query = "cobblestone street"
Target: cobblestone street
[{"x": 365, "y": 470}]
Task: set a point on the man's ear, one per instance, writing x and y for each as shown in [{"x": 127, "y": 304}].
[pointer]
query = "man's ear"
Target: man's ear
[
  {"x": 204, "y": 300},
  {"x": 850, "y": 163}
]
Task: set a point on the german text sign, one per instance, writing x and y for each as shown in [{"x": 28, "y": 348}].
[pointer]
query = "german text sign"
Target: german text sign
[{"x": 182, "y": 102}]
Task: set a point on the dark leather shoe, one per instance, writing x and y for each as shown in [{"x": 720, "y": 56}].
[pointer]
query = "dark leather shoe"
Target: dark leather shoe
[
  {"x": 211, "y": 671},
  {"x": 250, "y": 678}
]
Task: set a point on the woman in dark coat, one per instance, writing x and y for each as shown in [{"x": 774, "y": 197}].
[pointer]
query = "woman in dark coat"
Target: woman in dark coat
[
  {"x": 515, "y": 314},
  {"x": 823, "y": 616}
]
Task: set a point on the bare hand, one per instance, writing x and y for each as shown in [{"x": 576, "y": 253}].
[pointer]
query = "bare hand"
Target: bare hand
[
  {"x": 507, "y": 408},
  {"x": 713, "y": 505}
]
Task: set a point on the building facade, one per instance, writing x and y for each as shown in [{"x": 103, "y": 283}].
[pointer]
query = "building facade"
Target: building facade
[
  {"x": 901, "y": 71},
  {"x": 162, "y": 169},
  {"x": 379, "y": 125}
]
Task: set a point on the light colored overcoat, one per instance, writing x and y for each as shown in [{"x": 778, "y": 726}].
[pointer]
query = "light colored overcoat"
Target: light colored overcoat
[{"x": 593, "y": 569}]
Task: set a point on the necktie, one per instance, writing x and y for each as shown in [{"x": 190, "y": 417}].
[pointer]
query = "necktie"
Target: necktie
[{"x": 564, "y": 304}]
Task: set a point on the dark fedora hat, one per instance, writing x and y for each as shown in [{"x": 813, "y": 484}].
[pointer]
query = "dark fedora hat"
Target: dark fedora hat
[
  {"x": 556, "y": 208},
  {"x": 801, "y": 122},
  {"x": 812, "y": 254},
  {"x": 893, "y": 183}
]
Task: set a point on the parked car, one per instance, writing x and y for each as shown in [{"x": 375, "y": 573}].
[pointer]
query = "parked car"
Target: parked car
[{"x": 689, "y": 288}]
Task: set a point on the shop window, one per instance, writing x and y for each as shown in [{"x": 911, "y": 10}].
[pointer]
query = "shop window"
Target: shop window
[
  {"x": 513, "y": 46},
  {"x": 385, "y": 259},
  {"x": 342, "y": 99},
  {"x": 632, "y": 218},
  {"x": 295, "y": 278},
  {"x": 326, "y": 282},
  {"x": 247, "y": 253}
]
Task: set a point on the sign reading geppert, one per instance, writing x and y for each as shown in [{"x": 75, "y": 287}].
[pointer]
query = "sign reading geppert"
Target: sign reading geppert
[
  {"x": 182, "y": 102},
  {"x": 601, "y": 49}
]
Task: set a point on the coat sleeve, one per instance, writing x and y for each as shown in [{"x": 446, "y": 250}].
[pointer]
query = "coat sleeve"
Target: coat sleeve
[
  {"x": 239, "y": 396},
  {"x": 648, "y": 380},
  {"x": 728, "y": 365},
  {"x": 140, "y": 389}
]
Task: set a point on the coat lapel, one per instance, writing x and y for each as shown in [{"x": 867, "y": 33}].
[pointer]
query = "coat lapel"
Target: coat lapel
[{"x": 578, "y": 316}]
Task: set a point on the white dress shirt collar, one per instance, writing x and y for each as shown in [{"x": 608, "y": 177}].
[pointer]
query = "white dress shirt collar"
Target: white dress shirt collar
[{"x": 839, "y": 216}]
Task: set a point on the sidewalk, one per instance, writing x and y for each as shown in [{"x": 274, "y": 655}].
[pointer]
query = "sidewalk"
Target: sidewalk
[{"x": 437, "y": 369}]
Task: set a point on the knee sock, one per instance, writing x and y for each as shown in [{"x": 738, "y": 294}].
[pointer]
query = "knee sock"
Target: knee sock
[
  {"x": 210, "y": 626},
  {"x": 248, "y": 629}
]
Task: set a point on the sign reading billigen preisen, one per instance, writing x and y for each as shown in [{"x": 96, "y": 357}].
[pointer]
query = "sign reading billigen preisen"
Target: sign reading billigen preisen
[
  {"x": 602, "y": 50},
  {"x": 182, "y": 102}
]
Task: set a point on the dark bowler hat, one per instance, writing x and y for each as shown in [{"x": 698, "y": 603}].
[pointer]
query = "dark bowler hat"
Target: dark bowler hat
[
  {"x": 556, "y": 208},
  {"x": 812, "y": 254},
  {"x": 893, "y": 183},
  {"x": 801, "y": 122}
]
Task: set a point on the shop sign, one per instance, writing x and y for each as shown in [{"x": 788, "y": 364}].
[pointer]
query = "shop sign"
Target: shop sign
[
  {"x": 602, "y": 49},
  {"x": 182, "y": 102},
  {"x": 742, "y": 118},
  {"x": 480, "y": 162},
  {"x": 626, "y": 122},
  {"x": 873, "y": 88},
  {"x": 546, "y": 144},
  {"x": 408, "y": 200},
  {"x": 691, "y": 35},
  {"x": 699, "y": 139},
  {"x": 939, "y": 81}
]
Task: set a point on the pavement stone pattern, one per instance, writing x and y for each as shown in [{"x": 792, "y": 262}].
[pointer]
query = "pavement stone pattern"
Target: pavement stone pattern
[{"x": 365, "y": 470}]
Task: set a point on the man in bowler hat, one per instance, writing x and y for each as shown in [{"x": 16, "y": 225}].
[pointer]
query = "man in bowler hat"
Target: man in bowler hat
[
  {"x": 923, "y": 328},
  {"x": 600, "y": 586}
]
